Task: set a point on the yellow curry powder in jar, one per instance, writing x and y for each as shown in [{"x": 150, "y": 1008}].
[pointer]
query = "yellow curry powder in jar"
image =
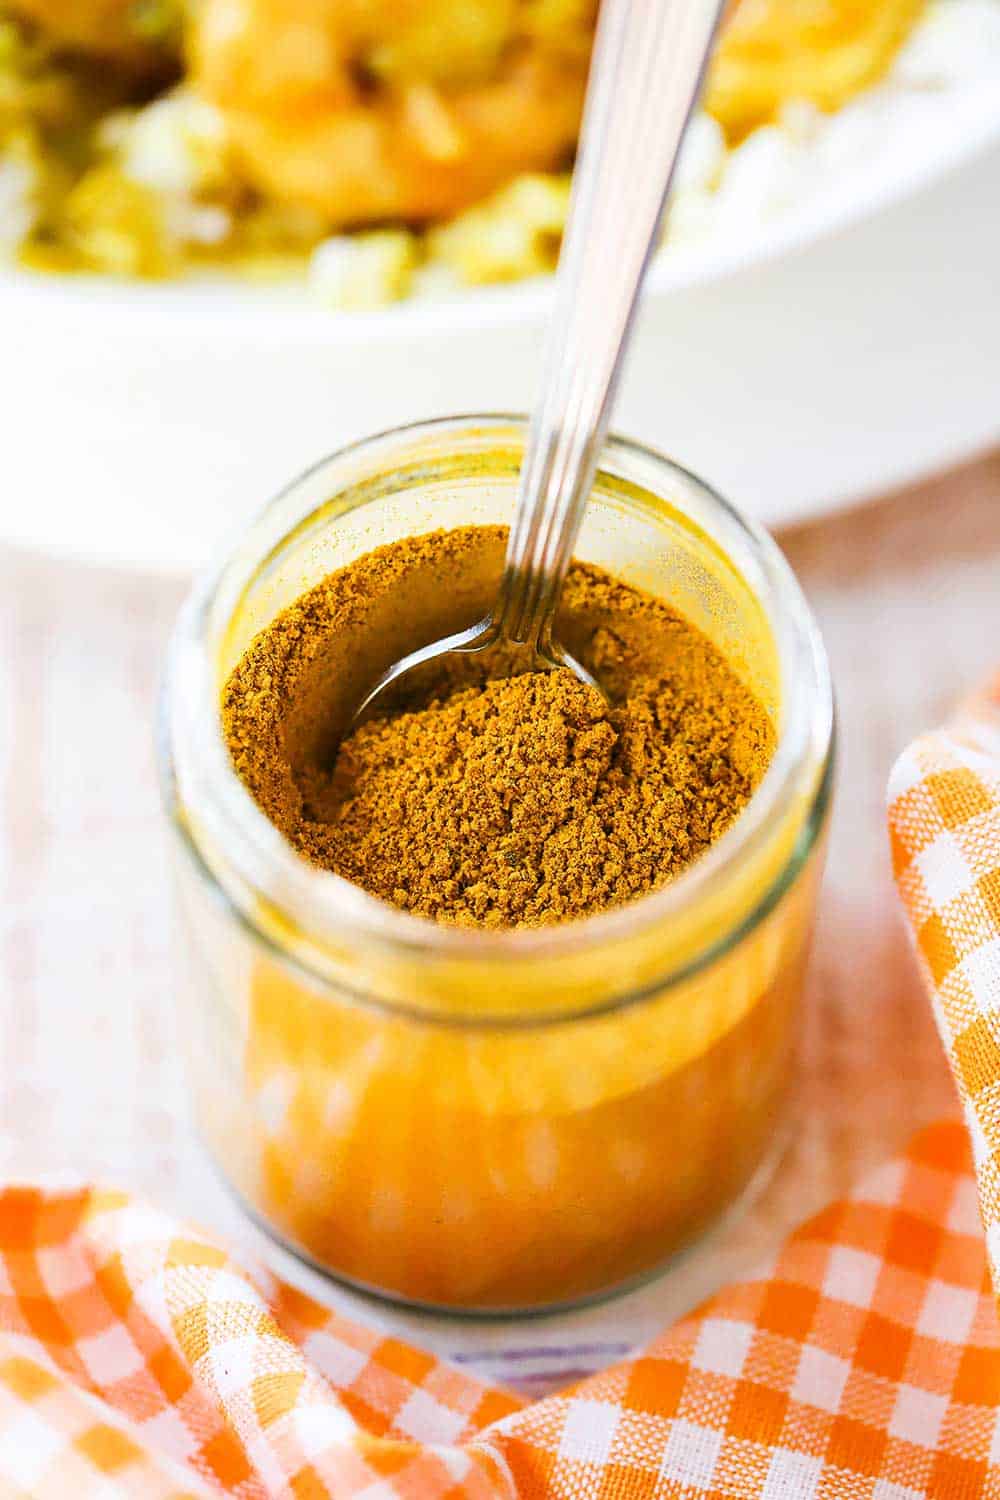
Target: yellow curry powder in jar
[
  {"x": 493, "y": 797},
  {"x": 493, "y": 1005}
]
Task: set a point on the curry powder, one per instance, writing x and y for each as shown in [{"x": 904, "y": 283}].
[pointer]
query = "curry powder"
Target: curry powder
[{"x": 496, "y": 800}]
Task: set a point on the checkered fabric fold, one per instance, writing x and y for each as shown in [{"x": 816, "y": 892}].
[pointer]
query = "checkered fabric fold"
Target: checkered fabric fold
[
  {"x": 944, "y": 826},
  {"x": 136, "y": 1358}
]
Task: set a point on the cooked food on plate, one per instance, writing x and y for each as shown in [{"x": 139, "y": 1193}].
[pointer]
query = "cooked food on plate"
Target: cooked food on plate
[
  {"x": 401, "y": 110},
  {"x": 773, "y": 51},
  {"x": 381, "y": 147}
]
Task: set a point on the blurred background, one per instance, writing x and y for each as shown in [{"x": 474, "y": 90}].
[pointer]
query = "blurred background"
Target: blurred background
[{"x": 235, "y": 234}]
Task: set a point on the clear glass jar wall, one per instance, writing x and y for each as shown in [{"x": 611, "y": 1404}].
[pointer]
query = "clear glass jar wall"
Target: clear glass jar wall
[{"x": 493, "y": 1121}]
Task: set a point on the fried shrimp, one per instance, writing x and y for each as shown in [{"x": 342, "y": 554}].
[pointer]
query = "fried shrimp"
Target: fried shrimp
[
  {"x": 368, "y": 110},
  {"x": 824, "y": 51}
]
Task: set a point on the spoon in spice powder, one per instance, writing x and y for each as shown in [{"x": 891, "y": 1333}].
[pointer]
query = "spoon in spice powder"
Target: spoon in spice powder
[{"x": 648, "y": 59}]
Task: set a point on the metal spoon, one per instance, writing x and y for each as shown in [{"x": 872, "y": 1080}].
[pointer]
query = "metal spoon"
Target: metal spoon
[{"x": 648, "y": 60}]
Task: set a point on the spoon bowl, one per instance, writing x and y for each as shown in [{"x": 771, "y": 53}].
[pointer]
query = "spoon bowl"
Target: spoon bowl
[{"x": 404, "y": 679}]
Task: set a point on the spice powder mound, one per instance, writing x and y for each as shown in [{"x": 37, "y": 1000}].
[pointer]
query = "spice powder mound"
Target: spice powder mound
[{"x": 495, "y": 800}]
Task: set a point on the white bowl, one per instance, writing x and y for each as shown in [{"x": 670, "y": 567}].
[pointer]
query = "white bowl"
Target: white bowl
[{"x": 843, "y": 347}]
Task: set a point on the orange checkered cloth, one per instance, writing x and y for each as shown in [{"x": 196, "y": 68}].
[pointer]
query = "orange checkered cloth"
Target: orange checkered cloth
[{"x": 136, "y": 1358}]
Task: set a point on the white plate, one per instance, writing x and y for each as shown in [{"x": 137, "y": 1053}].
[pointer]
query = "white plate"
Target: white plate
[{"x": 846, "y": 347}]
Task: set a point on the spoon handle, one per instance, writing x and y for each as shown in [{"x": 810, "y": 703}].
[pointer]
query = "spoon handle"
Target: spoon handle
[{"x": 649, "y": 56}]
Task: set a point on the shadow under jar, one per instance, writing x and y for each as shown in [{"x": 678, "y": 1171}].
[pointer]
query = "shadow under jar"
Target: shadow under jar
[{"x": 477, "y": 1120}]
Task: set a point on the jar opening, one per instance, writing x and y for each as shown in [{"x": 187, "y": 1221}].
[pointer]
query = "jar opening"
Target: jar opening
[{"x": 317, "y": 919}]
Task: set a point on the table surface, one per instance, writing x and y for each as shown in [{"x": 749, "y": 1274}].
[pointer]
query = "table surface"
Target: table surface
[{"x": 906, "y": 591}]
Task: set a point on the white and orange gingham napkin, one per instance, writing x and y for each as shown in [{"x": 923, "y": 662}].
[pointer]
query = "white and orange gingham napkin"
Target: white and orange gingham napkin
[{"x": 136, "y": 1358}]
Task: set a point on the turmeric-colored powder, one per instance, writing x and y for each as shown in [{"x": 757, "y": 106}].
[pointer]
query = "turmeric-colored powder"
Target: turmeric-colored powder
[{"x": 496, "y": 800}]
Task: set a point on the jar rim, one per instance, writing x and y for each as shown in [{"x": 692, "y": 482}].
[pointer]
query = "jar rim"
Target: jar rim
[{"x": 258, "y": 858}]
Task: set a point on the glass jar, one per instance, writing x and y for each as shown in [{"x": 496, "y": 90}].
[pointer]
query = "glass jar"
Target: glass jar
[{"x": 493, "y": 1121}]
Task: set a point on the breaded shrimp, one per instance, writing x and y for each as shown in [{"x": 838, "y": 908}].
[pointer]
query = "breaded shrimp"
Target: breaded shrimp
[{"x": 370, "y": 110}]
